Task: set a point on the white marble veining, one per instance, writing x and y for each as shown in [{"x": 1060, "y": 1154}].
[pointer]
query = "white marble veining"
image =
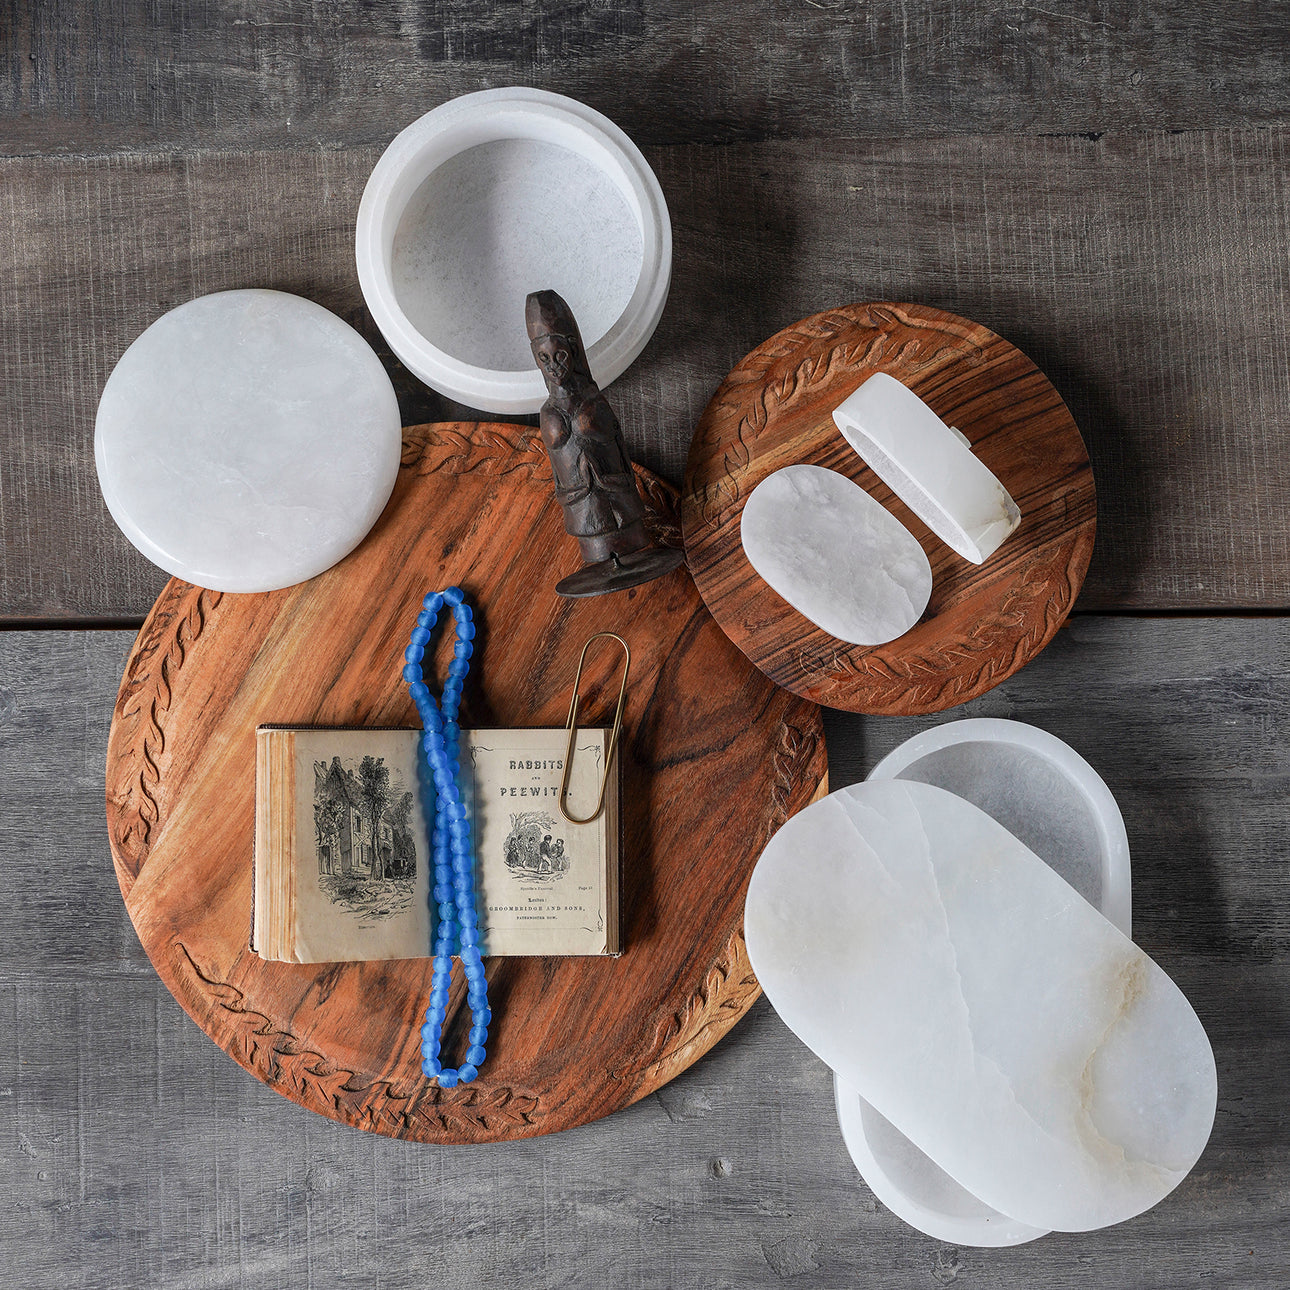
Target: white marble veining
[
  {"x": 247, "y": 440},
  {"x": 836, "y": 555},
  {"x": 1048, "y": 797},
  {"x": 930, "y": 466},
  {"x": 981, "y": 1005}
]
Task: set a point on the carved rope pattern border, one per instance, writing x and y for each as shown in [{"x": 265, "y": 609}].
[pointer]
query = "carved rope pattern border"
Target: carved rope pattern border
[
  {"x": 139, "y": 736},
  {"x": 420, "y": 1110},
  {"x": 487, "y": 448},
  {"x": 729, "y": 987},
  {"x": 719, "y": 494}
]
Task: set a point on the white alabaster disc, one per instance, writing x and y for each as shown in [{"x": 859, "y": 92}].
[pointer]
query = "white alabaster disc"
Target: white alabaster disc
[
  {"x": 1046, "y": 795},
  {"x": 981, "y": 1005},
  {"x": 247, "y": 440},
  {"x": 929, "y": 466},
  {"x": 836, "y": 555}
]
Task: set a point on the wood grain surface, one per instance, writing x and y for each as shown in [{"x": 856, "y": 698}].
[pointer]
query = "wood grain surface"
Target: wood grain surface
[
  {"x": 1102, "y": 186},
  {"x": 137, "y": 1154},
  {"x": 128, "y": 75},
  {"x": 984, "y": 621},
  {"x": 715, "y": 759},
  {"x": 1142, "y": 274}
]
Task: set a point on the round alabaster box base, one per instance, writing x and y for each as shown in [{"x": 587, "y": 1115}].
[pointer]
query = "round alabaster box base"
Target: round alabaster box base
[
  {"x": 494, "y": 195},
  {"x": 1046, "y": 794},
  {"x": 247, "y": 440}
]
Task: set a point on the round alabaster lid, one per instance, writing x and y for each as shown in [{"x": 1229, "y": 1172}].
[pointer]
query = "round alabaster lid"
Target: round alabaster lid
[
  {"x": 247, "y": 440},
  {"x": 489, "y": 197},
  {"x": 981, "y": 1005}
]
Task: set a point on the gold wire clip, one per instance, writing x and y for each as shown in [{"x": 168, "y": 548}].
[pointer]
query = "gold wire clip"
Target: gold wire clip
[{"x": 572, "y": 726}]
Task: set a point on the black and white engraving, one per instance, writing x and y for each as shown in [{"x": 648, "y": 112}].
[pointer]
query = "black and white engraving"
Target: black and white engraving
[
  {"x": 364, "y": 837},
  {"x": 535, "y": 847}
]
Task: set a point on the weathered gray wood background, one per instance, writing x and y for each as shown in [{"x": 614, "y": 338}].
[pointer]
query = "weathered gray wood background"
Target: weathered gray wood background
[{"x": 1106, "y": 185}]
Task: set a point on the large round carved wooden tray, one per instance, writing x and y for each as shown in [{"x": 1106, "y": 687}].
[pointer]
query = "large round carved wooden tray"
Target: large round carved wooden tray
[
  {"x": 715, "y": 759},
  {"x": 983, "y": 621}
]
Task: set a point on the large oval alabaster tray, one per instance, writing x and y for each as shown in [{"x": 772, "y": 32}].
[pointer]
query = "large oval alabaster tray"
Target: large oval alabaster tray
[
  {"x": 715, "y": 759},
  {"x": 983, "y": 622}
]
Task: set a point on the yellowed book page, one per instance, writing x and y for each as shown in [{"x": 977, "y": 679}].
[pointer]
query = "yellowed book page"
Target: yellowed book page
[
  {"x": 362, "y": 852},
  {"x": 541, "y": 881}
]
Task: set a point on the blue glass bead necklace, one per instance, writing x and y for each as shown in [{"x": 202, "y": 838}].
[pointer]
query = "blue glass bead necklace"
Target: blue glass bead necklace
[{"x": 450, "y": 841}]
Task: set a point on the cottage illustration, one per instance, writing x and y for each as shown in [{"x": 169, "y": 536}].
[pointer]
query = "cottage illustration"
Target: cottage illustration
[{"x": 362, "y": 822}]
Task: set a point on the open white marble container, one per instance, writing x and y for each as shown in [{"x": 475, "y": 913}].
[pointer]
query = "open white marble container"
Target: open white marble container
[
  {"x": 1043, "y": 792},
  {"x": 1003, "y": 1025},
  {"x": 491, "y": 196}
]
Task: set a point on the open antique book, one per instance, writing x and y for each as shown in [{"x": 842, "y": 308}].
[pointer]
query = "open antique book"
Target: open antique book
[{"x": 342, "y": 867}]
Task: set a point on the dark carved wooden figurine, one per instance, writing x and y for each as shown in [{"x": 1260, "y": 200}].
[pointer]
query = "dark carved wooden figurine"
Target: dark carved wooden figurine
[{"x": 594, "y": 483}]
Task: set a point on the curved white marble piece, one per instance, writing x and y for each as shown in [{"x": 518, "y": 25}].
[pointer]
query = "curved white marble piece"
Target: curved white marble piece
[
  {"x": 930, "y": 466},
  {"x": 836, "y": 555},
  {"x": 914, "y": 1187},
  {"x": 247, "y": 440},
  {"x": 981, "y": 1005},
  {"x": 1046, "y": 795}
]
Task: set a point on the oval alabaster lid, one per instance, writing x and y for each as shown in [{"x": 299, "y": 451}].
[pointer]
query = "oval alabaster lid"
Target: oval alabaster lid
[{"x": 981, "y": 1005}]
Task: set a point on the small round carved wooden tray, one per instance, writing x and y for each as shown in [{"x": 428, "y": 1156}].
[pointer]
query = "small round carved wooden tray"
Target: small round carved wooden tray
[
  {"x": 715, "y": 759},
  {"x": 983, "y": 621}
]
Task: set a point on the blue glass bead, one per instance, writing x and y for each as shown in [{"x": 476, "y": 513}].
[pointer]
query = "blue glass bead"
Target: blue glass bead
[
  {"x": 478, "y": 1034},
  {"x": 412, "y": 672},
  {"x": 451, "y": 731},
  {"x": 442, "y": 891},
  {"x": 469, "y": 920},
  {"x": 415, "y": 653},
  {"x": 462, "y": 882},
  {"x": 430, "y": 1068},
  {"x": 467, "y": 1074},
  {"x": 462, "y": 612},
  {"x": 420, "y": 692},
  {"x": 420, "y": 635},
  {"x": 448, "y": 1079},
  {"x": 452, "y": 595},
  {"x": 470, "y": 955},
  {"x": 469, "y": 937},
  {"x": 433, "y": 602},
  {"x": 457, "y": 669},
  {"x": 466, "y": 630},
  {"x": 435, "y": 722},
  {"x": 483, "y": 1016},
  {"x": 426, "y": 619},
  {"x": 475, "y": 1055},
  {"x": 430, "y": 1049},
  {"x": 463, "y": 650},
  {"x": 428, "y": 1033},
  {"x": 448, "y": 912}
]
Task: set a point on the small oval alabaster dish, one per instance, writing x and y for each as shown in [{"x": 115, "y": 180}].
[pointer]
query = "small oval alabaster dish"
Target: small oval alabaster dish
[
  {"x": 492, "y": 196},
  {"x": 247, "y": 440},
  {"x": 930, "y": 466},
  {"x": 835, "y": 554}
]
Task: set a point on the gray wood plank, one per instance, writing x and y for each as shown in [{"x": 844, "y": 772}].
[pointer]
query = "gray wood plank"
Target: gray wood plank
[
  {"x": 1143, "y": 274},
  {"x": 222, "y": 73},
  {"x": 133, "y": 1152}
]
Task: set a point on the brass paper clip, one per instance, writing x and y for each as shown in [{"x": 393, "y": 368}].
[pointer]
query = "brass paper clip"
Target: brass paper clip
[{"x": 572, "y": 726}]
